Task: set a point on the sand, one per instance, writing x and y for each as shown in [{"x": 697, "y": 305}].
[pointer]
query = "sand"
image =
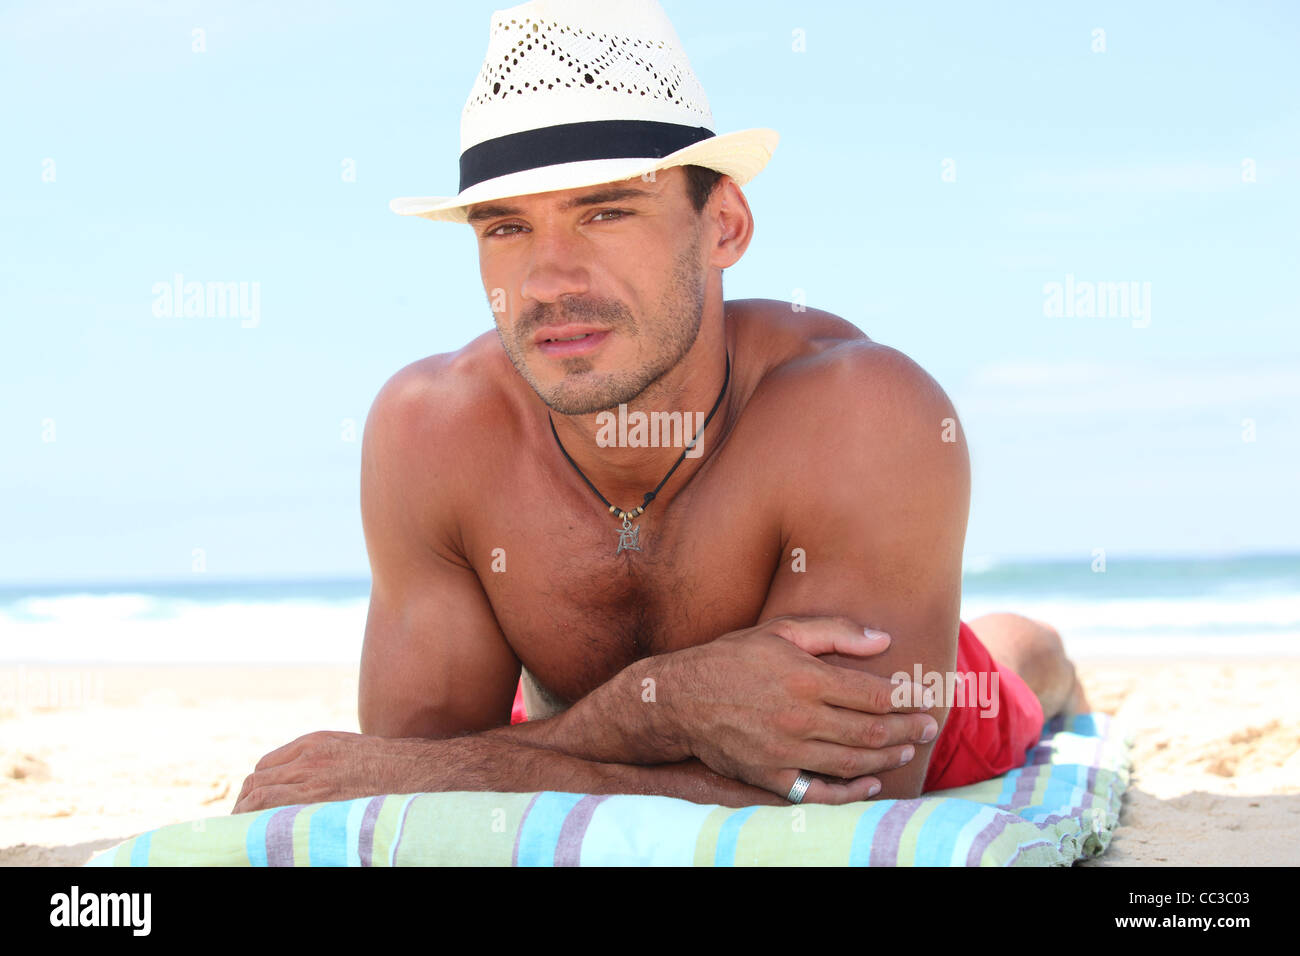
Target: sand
[
  {"x": 91, "y": 756},
  {"x": 1216, "y": 761}
]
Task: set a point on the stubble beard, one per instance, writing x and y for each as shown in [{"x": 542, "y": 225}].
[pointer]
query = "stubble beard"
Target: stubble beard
[{"x": 681, "y": 313}]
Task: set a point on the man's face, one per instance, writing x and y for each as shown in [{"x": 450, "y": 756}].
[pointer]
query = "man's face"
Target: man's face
[{"x": 618, "y": 263}]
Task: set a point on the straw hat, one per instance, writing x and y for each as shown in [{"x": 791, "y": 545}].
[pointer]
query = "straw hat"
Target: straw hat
[{"x": 580, "y": 92}]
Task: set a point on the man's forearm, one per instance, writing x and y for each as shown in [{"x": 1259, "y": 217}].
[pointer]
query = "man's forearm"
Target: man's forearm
[
  {"x": 620, "y": 738},
  {"x": 490, "y": 761},
  {"x": 624, "y": 721}
]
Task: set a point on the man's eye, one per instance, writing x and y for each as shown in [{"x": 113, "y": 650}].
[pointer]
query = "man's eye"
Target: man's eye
[{"x": 617, "y": 214}]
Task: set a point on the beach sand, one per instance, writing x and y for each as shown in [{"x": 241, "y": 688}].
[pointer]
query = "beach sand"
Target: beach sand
[{"x": 91, "y": 756}]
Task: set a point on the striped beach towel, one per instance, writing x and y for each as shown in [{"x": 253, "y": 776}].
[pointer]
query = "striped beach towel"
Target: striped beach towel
[{"x": 1062, "y": 806}]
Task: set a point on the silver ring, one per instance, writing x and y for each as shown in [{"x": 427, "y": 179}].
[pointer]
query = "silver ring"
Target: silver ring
[{"x": 800, "y": 787}]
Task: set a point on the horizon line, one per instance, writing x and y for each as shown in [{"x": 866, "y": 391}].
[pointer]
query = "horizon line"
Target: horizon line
[{"x": 974, "y": 567}]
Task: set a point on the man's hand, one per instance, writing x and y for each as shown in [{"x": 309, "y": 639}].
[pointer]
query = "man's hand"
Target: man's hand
[
  {"x": 759, "y": 706},
  {"x": 333, "y": 765}
]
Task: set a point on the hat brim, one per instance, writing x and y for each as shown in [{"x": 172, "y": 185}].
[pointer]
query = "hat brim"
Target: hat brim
[{"x": 740, "y": 155}]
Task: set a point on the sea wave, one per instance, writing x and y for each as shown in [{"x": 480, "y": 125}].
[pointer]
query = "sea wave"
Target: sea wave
[
  {"x": 120, "y": 628},
  {"x": 328, "y": 625},
  {"x": 1147, "y": 615},
  {"x": 1159, "y": 627}
]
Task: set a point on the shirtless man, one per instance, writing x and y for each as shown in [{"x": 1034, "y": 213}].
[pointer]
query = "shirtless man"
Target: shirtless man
[{"x": 716, "y": 652}]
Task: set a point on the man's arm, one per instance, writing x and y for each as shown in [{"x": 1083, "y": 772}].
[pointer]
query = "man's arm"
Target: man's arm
[
  {"x": 434, "y": 662},
  {"x": 436, "y": 665},
  {"x": 880, "y": 516},
  {"x": 437, "y": 674},
  {"x": 329, "y": 765}
]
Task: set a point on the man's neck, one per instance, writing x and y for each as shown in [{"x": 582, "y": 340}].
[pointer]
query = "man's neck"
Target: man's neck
[{"x": 616, "y": 449}]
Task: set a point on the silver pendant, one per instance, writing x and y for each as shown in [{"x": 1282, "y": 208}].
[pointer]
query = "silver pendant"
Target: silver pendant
[{"x": 629, "y": 538}]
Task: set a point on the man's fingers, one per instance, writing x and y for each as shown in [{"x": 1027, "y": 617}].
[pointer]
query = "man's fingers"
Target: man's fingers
[
  {"x": 869, "y": 693},
  {"x": 834, "y": 760},
  {"x": 852, "y": 728},
  {"x": 275, "y": 787},
  {"x": 314, "y": 741},
  {"x": 837, "y": 792},
  {"x": 287, "y": 774},
  {"x": 840, "y": 793},
  {"x": 281, "y": 755},
  {"x": 830, "y": 635},
  {"x": 263, "y": 798}
]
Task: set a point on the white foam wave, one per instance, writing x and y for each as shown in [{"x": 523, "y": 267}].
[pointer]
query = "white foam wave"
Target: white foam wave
[
  {"x": 1146, "y": 614},
  {"x": 89, "y": 608},
  {"x": 1161, "y": 627},
  {"x": 141, "y": 628},
  {"x": 73, "y": 630}
]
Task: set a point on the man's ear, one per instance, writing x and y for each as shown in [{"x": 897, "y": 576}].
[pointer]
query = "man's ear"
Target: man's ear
[{"x": 729, "y": 224}]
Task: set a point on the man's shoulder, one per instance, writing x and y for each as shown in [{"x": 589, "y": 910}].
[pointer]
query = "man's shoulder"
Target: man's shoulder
[
  {"x": 435, "y": 425},
  {"x": 861, "y": 427},
  {"x": 442, "y": 394},
  {"x": 819, "y": 364}
]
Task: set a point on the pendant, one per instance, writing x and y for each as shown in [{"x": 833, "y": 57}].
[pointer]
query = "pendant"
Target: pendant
[{"x": 629, "y": 538}]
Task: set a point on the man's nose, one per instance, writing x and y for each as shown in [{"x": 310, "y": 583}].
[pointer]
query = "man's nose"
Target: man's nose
[{"x": 555, "y": 267}]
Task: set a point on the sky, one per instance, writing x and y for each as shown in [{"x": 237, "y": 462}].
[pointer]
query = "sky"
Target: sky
[{"x": 946, "y": 172}]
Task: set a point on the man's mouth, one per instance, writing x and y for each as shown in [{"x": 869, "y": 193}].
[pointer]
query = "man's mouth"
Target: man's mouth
[
  {"x": 572, "y": 332},
  {"x": 565, "y": 342}
]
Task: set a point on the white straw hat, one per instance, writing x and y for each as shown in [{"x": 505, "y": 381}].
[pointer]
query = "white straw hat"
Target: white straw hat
[{"x": 580, "y": 92}]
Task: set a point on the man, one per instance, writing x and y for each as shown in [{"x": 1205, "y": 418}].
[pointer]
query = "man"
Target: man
[{"x": 717, "y": 615}]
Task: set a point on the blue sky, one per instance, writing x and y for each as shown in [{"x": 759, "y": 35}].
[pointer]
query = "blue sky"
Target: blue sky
[{"x": 171, "y": 434}]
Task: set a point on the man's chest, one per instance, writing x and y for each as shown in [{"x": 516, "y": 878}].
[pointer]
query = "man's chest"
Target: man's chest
[{"x": 576, "y": 612}]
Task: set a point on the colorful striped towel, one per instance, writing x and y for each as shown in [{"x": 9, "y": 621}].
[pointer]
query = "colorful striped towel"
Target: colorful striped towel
[{"x": 1060, "y": 807}]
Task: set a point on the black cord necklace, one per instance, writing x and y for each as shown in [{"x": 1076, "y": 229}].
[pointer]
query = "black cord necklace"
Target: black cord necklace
[{"x": 629, "y": 537}]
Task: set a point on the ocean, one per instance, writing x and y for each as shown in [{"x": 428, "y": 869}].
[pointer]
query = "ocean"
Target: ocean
[{"x": 1246, "y": 605}]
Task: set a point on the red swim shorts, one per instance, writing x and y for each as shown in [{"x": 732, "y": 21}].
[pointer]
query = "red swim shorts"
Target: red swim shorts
[{"x": 978, "y": 743}]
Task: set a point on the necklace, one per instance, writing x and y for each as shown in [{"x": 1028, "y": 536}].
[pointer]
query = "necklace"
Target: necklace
[{"x": 629, "y": 537}]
